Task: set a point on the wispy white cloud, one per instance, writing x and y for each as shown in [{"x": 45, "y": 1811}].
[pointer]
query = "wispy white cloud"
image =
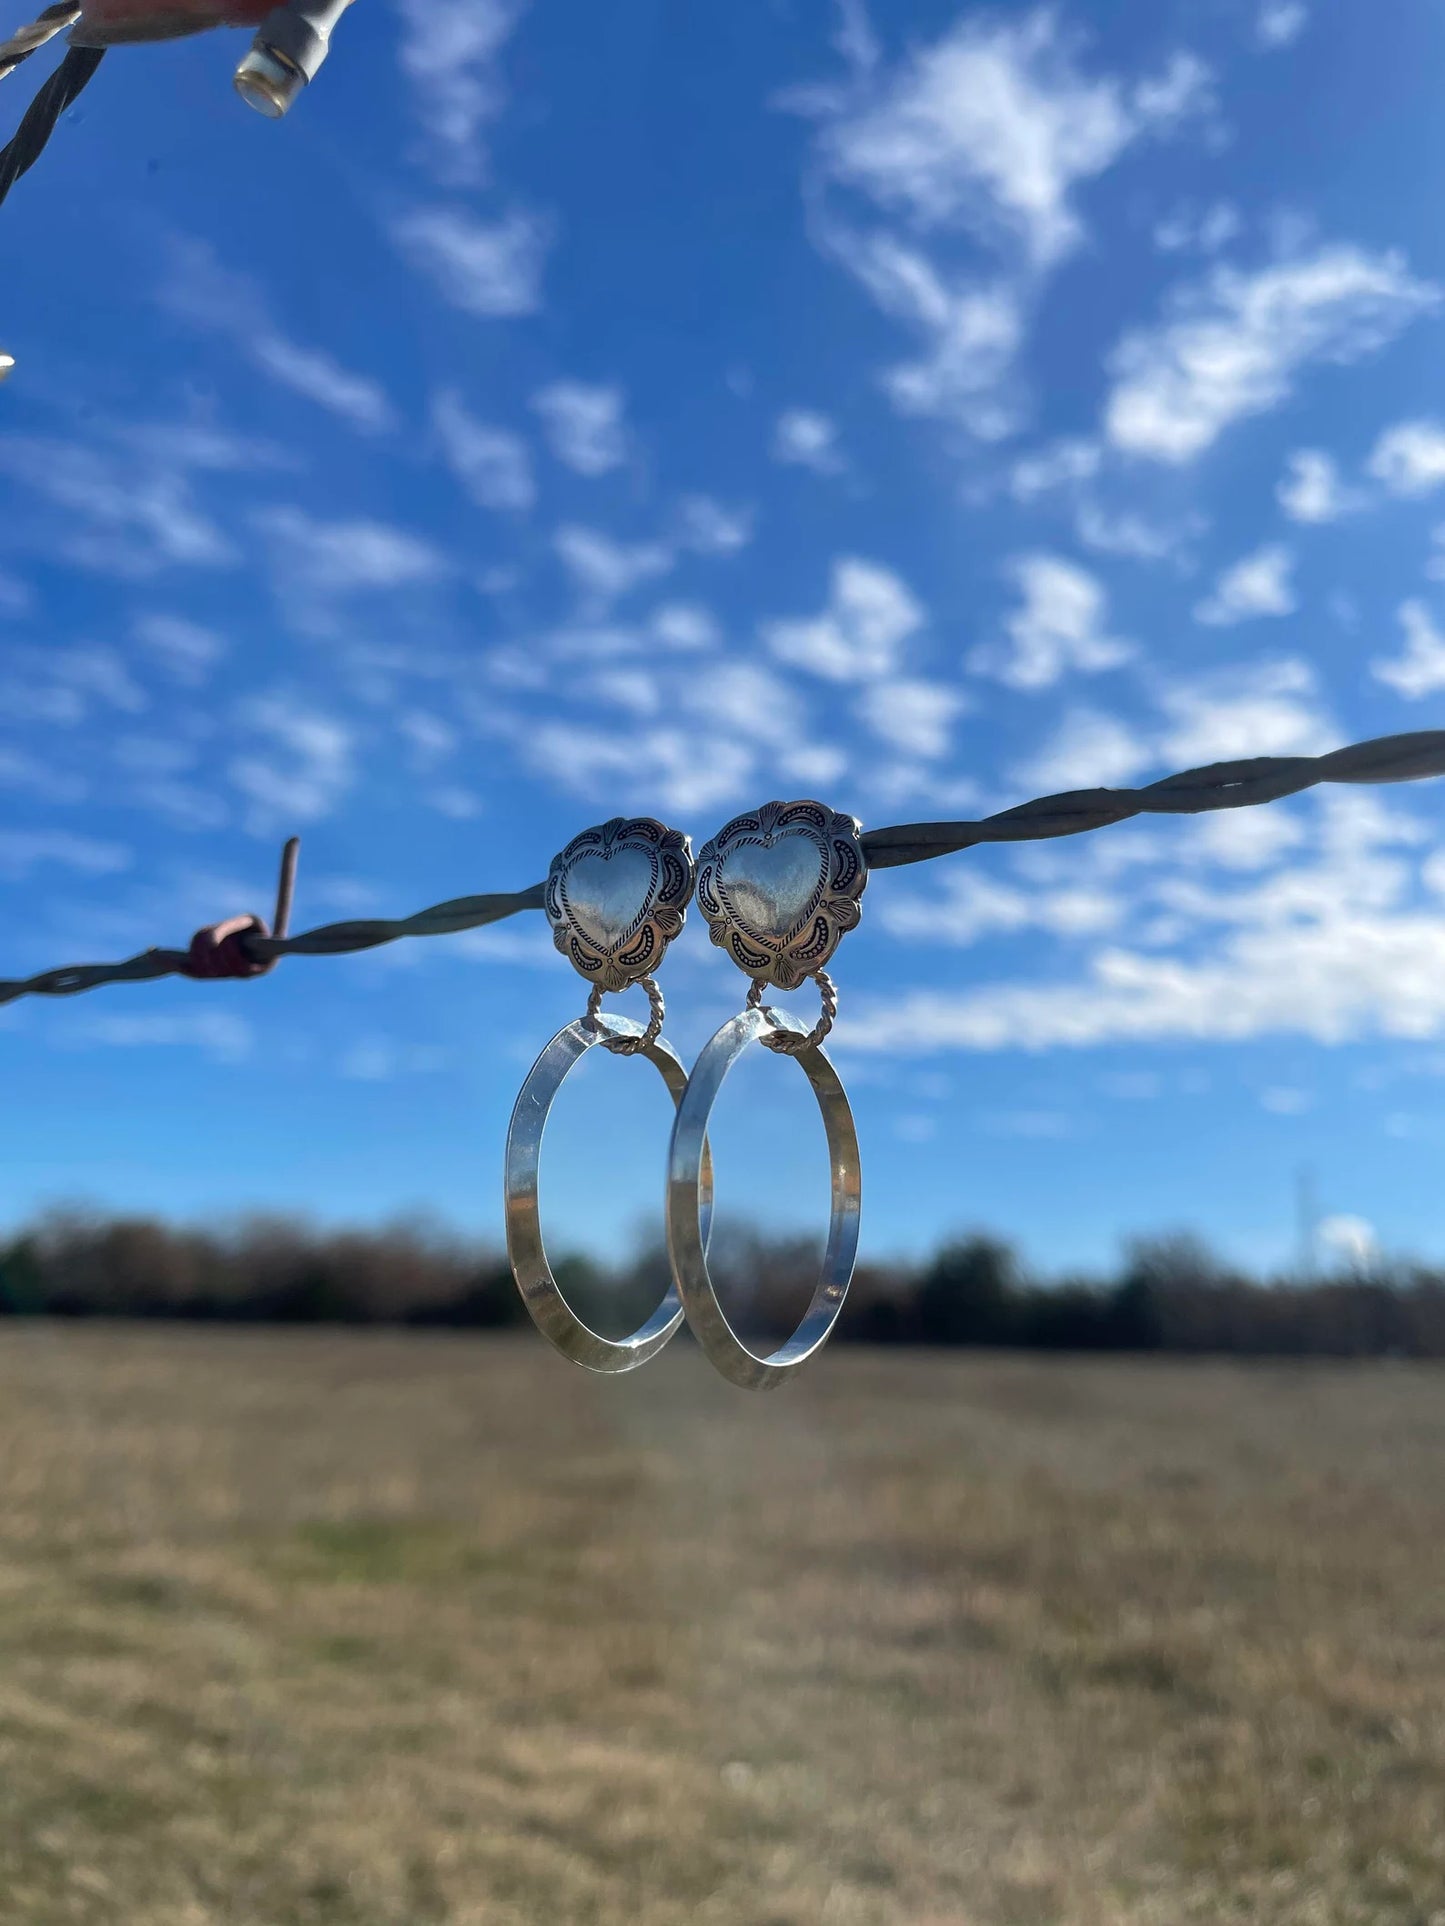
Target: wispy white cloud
[
  {"x": 709, "y": 527},
  {"x": 491, "y": 269},
  {"x": 1419, "y": 669},
  {"x": 492, "y": 464},
  {"x": 912, "y": 716},
  {"x": 685, "y": 626},
  {"x": 584, "y": 426},
  {"x": 962, "y": 912},
  {"x": 316, "y": 376},
  {"x": 122, "y": 516},
  {"x": 680, "y": 735},
  {"x": 154, "y": 779},
  {"x": 1058, "y": 628},
  {"x": 1311, "y": 489},
  {"x": 1060, "y": 464},
  {"x": 317, "y": 563},
  {"x": 1069, "y": 467},
  {"x": 1182, "y": 90},
  {"x": 605, "y": 568},
  {"x": 67, "y": 685},
  {"x": 971, "y": 331},
  {"x": 38, "y": 776},
  {"x": 1409, "y": 459},
  {"x": 1259, "y": 709},
  {"x": 806, "y": 438},
  {"x": 218, "y": 1034},
  {"x": 198, "y": 290},
  {"x": 188, "y": 651},
  {"x": 1234, "y": 344},
  {"x": 456, "y": 802},
  {"x": 449, "y": 52},
  {"x": 1279, "y": 23},
  {"x": 986, "y": 132},
  {"x": 429, "y": 738},
  {"x": 381, "y": 1059},
  {"x": 1243, "y": 839},
  {"x": 994, "y": 125},
  {"x": 684, "y": 770},
  {"x": 17, "y": 598},
  {"x": 1256, "y": 585},
  {"x": 1191, "y": 229},
  {"x": 870, "y": 615},
  {"x": 1329, "y": 946},
  {"x": 296, "y": 765},
  {"x": 1141, "y": 538},
  {"x": 1284, "y": 1100},
  {"x": 23, "y": 850},
  {"x": 1091, "y": 749},
  {"x": 121, "y": 498},
  {"x": 197, "y": 444}
]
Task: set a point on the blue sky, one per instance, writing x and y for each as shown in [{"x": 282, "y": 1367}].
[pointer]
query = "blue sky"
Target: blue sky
[{"x": 579, "y": 411}]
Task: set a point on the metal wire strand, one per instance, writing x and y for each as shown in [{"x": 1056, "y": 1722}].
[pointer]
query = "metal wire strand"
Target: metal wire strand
[
  {"x": 1222, "y": 785},
  {"x": 335, "y": 939},
  {"x": 789, "y": 1043},
  {"x": 29, "y": 39},
  {"x": 60, "y": 91}
]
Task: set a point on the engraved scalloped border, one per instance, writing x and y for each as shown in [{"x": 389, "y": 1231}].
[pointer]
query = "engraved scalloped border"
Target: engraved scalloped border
[
  {"x": 640, "y": 950},
  {"x": 790, "y": 960}
]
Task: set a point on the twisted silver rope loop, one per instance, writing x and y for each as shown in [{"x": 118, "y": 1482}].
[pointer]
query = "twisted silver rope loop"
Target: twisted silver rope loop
[
  {"x": 789, "y": 1043},
  {"x": 1221, "y": 785},
  {"x": 631, "y": 1046}
]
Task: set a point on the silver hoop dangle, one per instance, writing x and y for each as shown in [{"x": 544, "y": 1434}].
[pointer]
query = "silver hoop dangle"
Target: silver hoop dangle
[
  {"x": 615, "y": 897},
  {"x": 779, "y": 887}
]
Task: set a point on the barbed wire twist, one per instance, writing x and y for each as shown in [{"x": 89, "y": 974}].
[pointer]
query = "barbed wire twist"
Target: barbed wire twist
[
  {"x": 39, "y": 120},
  {"x": 244, "y": 947},
  {"x": 31, "y": 38}
]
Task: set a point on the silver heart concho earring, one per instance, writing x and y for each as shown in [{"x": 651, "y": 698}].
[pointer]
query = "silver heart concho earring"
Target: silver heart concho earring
[
  {"x": 615, "y": 897},
  {"x": 779, "y": 888}
]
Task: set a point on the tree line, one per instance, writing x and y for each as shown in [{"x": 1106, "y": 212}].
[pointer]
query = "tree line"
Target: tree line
[{"x": 1169, "y": 1293}]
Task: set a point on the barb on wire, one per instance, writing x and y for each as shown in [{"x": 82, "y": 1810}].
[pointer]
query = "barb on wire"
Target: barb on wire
[
  {"x": 242, "y": 946},
  {"x": 60, "y": 91}
]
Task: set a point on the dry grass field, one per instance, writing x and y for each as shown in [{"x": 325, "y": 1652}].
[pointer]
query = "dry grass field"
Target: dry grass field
[{"x": 386, "y": 1630}]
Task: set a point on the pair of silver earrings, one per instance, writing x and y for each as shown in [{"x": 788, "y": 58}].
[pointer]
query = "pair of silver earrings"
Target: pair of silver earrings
[{"x": 779, "y": 888}]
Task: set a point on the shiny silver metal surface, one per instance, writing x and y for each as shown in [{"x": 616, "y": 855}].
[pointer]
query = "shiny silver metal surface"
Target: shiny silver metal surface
[
  {"x": 267, "y": 82},
  {"x": 551, "y": 1313},
  {"x": 689, "y": 1205},
  {"x": 616, "y": 896},
  {"x": 779, "y": 887}
]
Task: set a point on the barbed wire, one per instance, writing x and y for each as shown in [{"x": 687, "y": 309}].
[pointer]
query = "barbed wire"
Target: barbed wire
[
  {"x": 243, "y": 946},
  {"x": 1221, "y": 785},
  {"x": 37, "y": 124},
  {"x": 29, "y": 39}
]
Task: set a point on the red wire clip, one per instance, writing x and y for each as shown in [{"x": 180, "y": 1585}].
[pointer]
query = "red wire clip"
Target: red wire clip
[{"x": 220, "y": 949}]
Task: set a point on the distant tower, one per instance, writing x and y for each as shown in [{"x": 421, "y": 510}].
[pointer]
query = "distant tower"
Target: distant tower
[{"x": 1307, "y": 1217}]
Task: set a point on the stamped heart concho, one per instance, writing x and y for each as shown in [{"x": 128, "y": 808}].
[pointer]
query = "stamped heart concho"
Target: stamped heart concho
[
  {"x": 616, "y": 896},
  {"x": 780, "y": 887}
]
